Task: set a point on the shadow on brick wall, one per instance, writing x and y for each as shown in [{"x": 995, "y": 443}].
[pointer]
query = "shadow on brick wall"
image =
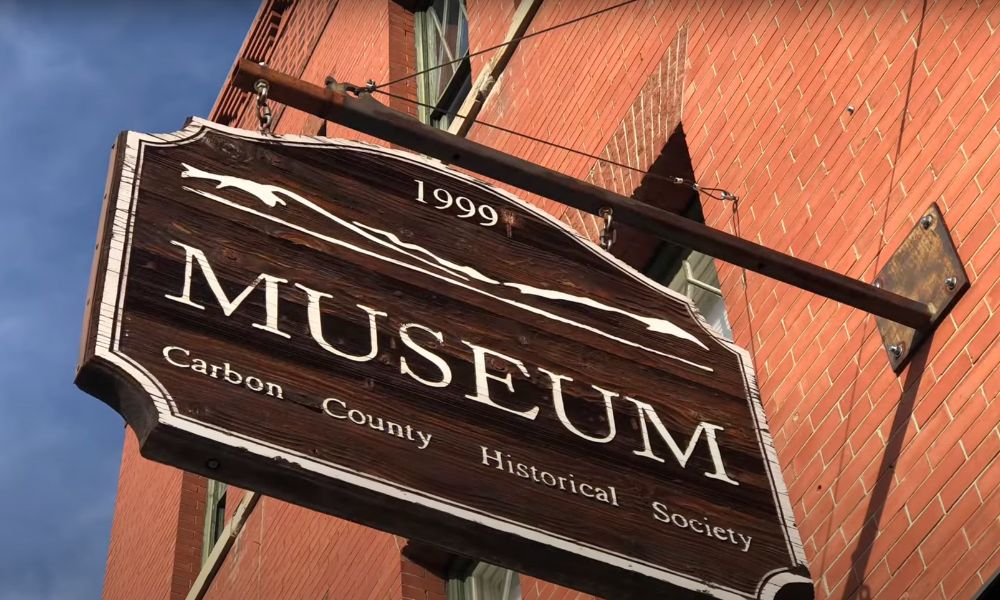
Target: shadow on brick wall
[
  {"x": 674, "y": 160},
  {"x": 635, "y": 247},
  {"x": 861, "y": 557}
]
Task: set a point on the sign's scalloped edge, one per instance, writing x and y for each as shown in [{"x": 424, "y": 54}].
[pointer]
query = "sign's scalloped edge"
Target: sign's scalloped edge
[{"x": 108, "y": 312}]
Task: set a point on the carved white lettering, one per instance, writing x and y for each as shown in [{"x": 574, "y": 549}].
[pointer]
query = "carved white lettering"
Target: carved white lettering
[
  {"x": 326, "y": 408},
  {"x": 316, "y": 326},
  {"x": 170, "y": 349},
  {"x": 560, "y": 407},
  {"x": 501, "y": 461},
  {"x": 646, "y": 412},
  {"x": 486, "y": 364},
  {"x": 701, "y": 527},
  {"x": 437, "y": 361},
  {"x": 375, "y": 422},
  {"x": 175, "y": 355},
  {"x": 192, "y": 255},
  {"x": 483, "y": 376}
]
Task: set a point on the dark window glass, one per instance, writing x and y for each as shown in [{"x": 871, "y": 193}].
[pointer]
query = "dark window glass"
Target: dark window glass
[
  {"x": 215, "y": 516},
  {"x": 694, "y": 275},
  {"x": 483, "y": 581},
  {"x": 442, "y": 34}
]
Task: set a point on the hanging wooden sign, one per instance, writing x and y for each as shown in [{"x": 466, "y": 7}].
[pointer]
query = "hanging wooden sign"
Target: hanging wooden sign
[{"x": 372, "y": 335}]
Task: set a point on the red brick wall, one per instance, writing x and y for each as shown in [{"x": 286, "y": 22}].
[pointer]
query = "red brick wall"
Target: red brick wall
[
  {"x": 352, "y": 45},
  {"x": 421, "y": 583},
  {"x": 574, "y": 85},
  {"x": 536, "y": 589},
  {"x": 285, "y": 551},
  {"x": 893, "y": 479},
  {"x": 489, "y": 22},
  {"x": 284, "y": 36},
  {"x": 402, "y": 59},
  {"x": 156, "y": 534},
  {"x": 190, "y": 534}
]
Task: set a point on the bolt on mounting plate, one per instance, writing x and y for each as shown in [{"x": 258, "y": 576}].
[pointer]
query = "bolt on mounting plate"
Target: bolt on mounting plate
[{"x": 926, "y": 268}]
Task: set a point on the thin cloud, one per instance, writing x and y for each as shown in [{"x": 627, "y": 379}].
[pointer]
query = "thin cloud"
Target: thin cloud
[
  {"x": 36, "y": 56},
  {"x": 75, "y": 74}
]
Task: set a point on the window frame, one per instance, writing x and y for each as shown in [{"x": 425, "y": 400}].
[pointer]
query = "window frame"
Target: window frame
[
  {"x": 440, "y": 111},
  {"x": 215, "y": 516},
  {"x": 469, "y": 580},
  {"x": 671, "y": 260}
]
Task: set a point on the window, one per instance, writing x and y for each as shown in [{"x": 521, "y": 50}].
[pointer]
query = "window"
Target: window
[
  {"x": 693, "y": 274},
  {"x": 483, "y": 581},
  {"x": 442, "y": 34},
  {"x": 215, "y": 516}
]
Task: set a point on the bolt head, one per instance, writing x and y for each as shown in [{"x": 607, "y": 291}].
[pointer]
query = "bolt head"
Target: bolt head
[
  {"x": 212, "y": 464},
  {"x": 896, "y": 350},
  {"x": 951, "y": 283},
  {"x": 926, "y": 221},
  {"x": 850, "y": 109}
]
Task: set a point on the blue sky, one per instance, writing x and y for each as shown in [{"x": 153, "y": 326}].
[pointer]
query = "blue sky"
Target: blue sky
[{"x": 73, "y": 75}]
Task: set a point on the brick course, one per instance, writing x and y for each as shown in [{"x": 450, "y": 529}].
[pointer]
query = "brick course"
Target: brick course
[{"x": 155, "y": 548}]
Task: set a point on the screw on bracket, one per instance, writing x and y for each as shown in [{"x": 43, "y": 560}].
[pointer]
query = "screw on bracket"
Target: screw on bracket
[{"x": 926, "y": 268}]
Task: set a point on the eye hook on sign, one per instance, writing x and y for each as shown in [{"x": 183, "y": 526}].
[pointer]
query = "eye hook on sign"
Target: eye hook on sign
[
  {"x": 351, "y": 88},
  {"x": 261, "y": 88},
  {"x": 608, "y": 232}
]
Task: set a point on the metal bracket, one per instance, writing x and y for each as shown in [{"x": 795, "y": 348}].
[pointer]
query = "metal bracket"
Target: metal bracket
[{"x": 926, "y": 268}]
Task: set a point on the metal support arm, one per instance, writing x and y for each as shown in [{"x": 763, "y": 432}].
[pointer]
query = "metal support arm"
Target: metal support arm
[{"x": 368, "y": 116}]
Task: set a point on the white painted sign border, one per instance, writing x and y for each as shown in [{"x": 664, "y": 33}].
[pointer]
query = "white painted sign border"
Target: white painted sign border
[{"x": 109, "y": 331}]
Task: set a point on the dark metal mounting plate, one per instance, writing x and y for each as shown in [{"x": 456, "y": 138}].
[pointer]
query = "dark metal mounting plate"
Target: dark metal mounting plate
[{"x": 926, "y": 268}]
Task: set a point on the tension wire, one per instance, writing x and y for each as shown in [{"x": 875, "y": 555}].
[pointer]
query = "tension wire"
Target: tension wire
[
  {"x": 467, "y": 55},
  {"x": 711, "y": 192}
]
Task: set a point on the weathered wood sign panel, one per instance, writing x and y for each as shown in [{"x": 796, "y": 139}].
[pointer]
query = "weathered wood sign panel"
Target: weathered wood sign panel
[{"x": 364, "y": 332}]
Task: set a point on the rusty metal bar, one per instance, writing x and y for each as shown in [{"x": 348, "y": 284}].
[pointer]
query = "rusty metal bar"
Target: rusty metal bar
[{"x": 368, "y": 116}]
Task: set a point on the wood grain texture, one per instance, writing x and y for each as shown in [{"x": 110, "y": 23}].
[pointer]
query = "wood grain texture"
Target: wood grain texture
[{"x": 332, "y": 198}]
